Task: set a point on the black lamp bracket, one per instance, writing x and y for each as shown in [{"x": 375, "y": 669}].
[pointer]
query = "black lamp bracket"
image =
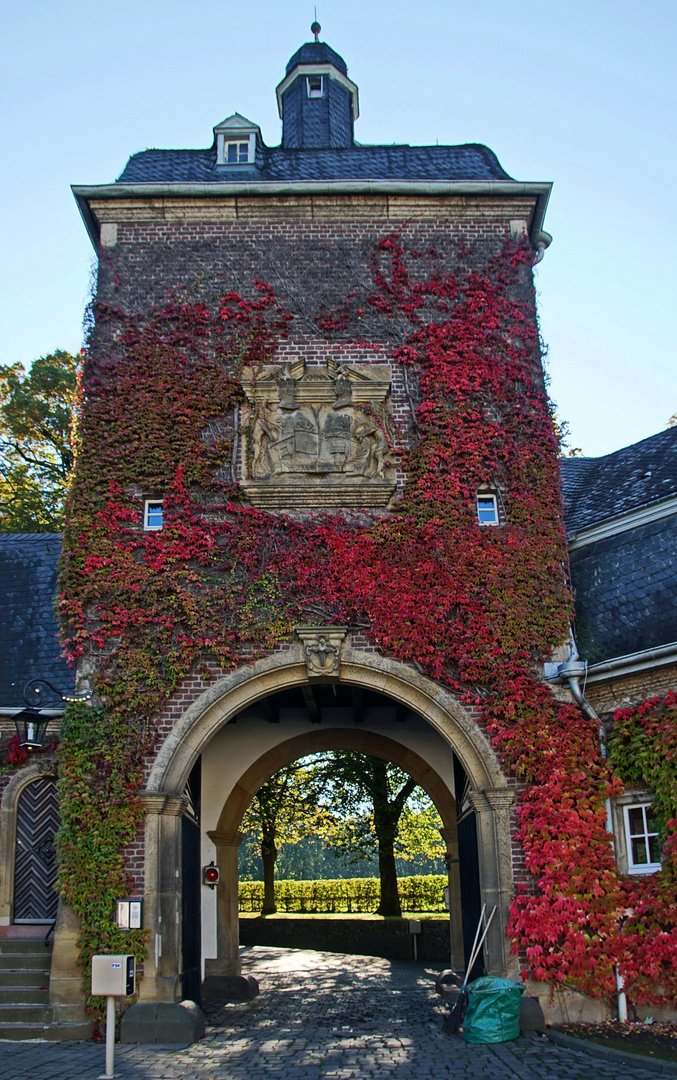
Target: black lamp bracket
[{"x": 32, "y": 693}]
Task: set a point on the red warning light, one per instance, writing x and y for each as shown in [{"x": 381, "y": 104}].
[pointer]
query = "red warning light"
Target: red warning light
[{"x": 210, "y": 875}]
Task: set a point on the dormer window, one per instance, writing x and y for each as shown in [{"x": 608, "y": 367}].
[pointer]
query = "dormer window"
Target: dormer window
[
  {"x": 236, "y": 141},
  {"x": 236, "y": 153},
  {"x": 315, "y": 85}
]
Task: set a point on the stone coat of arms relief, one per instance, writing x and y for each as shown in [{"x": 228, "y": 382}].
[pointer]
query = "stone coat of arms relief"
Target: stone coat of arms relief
[{"x": 318, "y": 436}]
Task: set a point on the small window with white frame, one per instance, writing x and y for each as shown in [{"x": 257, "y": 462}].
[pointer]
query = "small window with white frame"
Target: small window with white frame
[
  {"x": 236, "y": 153},
  {"x": 315, "y": 85},
  {"x": 642, "y": 836},
  {"x": 487, "y": 509},
  {"x": 152, "y": 515}
]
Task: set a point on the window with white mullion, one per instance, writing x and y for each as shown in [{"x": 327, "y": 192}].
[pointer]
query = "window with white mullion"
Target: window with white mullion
[
  {"x": 641, "y": 829},
  {"x": 236, "y": 153}
]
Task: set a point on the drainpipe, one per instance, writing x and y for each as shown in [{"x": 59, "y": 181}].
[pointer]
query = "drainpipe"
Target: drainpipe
[{"x": 572, "y": 672}]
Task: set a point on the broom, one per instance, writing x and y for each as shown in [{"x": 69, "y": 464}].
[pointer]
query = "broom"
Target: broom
[{"x": 455, "y": 1017}]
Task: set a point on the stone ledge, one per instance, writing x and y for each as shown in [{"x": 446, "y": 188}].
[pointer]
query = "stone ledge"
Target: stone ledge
[{"x": 657, "y": 1065}]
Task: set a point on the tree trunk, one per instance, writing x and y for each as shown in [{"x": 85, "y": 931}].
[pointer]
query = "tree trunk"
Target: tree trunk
[
  {"x": 269, "y": 857},
  {"x": 385, "y": 827},
  {"x": 390, "y": 895}
]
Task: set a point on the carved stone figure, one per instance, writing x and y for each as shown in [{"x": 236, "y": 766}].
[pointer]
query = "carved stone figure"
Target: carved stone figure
[
  {"x": 264, "y": 433},
  {"x": 343, "y": 388},
  {"x": 316, "y": 436}
]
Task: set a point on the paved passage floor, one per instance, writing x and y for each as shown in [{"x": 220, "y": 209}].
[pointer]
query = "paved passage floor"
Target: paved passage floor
[{"x": 321, "y": 1015}]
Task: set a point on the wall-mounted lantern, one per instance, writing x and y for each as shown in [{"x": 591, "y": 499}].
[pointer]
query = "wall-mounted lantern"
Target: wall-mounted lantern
[{"x": 31, "y": 723}]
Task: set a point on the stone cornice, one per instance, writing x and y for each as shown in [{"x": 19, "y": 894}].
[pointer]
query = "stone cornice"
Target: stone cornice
[
  {"x": 493, "y": 799},
  {"x": 225, "y": 837},
  {"x": 159, "y": 802},
  {"x": 538, "y": 193}
]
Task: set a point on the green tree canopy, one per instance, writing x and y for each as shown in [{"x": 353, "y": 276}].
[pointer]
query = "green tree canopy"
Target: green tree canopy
[
  {"x": 284, "y": 809},
  {"x": 36, "y": 453},
  {"x": 371, "y": 802}
]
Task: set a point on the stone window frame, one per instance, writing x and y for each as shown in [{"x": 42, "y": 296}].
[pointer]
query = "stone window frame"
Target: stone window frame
[
  {"x": 621, "y": 828},
  {"x": 310, "y": 90},
  {"x": 147, "y": 504}
]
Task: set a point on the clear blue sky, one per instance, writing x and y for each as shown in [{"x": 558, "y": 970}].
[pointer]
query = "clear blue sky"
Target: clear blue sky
[{"x": 580, "y": 92}]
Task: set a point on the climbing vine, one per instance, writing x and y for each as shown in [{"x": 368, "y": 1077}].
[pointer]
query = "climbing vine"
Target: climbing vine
[
  {"x": 643, "y": 749},
  {"x": 476, "y": 608}
]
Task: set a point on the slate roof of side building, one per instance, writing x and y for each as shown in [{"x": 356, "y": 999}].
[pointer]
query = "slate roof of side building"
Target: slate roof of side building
[
  {"x": 641, "y": 475},
  {"x": 29, "y": 647},
  {"x": 625, "y": 582},
  {"x": 467, "y": 162}
]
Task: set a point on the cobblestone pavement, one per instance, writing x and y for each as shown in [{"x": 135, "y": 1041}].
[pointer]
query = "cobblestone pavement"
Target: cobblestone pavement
[{"x": 321, "y": 1016}]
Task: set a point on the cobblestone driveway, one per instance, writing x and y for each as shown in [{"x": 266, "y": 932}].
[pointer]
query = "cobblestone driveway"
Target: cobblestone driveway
[{"x": 321, "y": 1015}]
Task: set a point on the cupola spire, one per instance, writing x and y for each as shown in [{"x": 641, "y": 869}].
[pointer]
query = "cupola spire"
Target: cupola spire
[{"x": 317, "y": 101}]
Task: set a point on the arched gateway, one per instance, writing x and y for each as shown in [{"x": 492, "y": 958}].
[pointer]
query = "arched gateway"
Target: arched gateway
[{"x": 238, "y": 758}]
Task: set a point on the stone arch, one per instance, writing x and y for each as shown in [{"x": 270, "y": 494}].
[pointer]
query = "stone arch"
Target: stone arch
[
  {"x": 220, "y": 703},
  {"x": 9, "y": 807},
  {"x": 316, "y": 742},
  {"x": 242, "y": 688}
]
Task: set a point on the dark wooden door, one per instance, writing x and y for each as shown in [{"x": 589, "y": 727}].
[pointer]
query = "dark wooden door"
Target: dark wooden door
[
  {"x": 191, "y": 893},
  {"x": 35, "y": 898},
  {"x": 469, "y": 869}
]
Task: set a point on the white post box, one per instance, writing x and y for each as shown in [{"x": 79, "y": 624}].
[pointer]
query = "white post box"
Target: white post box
[{"x": 114, "y": 976}]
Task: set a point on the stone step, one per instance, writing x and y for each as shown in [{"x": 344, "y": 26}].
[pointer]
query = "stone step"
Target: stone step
[
  {"x": 20, "y": 1032},
  {"x": 25, "y": 1014},
  {"x": 24, "y": 995},
  {"x": 34, "y": 978},
  {"x": 10, "y": 946},
  {"x": 25, "y": 962}
]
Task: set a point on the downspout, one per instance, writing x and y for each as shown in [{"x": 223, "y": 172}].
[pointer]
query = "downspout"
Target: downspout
[{"x": 572, "y": 672}]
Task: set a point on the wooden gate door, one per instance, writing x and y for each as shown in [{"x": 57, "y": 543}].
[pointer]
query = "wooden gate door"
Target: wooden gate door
[{"x": 35, "y": 899}]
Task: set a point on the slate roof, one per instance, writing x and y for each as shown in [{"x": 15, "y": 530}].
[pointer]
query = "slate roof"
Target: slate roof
[
  {"x": 600, "y": 489},
  {"x": 625, "y": 587},
  {"x": 28, "y": 629},
  {"x": 317, "y": 52},
  {"x": 471, "y": 161}
]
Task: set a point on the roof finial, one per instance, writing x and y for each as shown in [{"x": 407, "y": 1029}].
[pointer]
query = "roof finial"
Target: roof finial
[{"x": 315, "y": 28}]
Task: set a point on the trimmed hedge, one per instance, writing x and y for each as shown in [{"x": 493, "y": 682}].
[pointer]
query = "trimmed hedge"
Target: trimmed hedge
[{"x": 345, "y": 895}]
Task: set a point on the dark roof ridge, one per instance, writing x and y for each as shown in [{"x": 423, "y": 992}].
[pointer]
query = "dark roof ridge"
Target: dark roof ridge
[
  {"x": 30, "y": 536},
  {"x": 633, "y": 478}
]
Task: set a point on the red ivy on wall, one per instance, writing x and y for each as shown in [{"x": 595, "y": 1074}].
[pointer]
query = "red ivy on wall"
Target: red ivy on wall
[{"x": 476, "y": 608}]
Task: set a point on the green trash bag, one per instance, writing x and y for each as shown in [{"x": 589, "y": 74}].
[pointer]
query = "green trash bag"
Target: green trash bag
[{"x": 493, "y": 1014}]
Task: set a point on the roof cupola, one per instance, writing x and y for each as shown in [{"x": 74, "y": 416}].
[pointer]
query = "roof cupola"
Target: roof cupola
[{"x": 317, "y": 101}]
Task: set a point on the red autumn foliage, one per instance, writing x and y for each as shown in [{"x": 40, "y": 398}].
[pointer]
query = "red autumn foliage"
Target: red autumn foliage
[{"x": 476, "y": 608}]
